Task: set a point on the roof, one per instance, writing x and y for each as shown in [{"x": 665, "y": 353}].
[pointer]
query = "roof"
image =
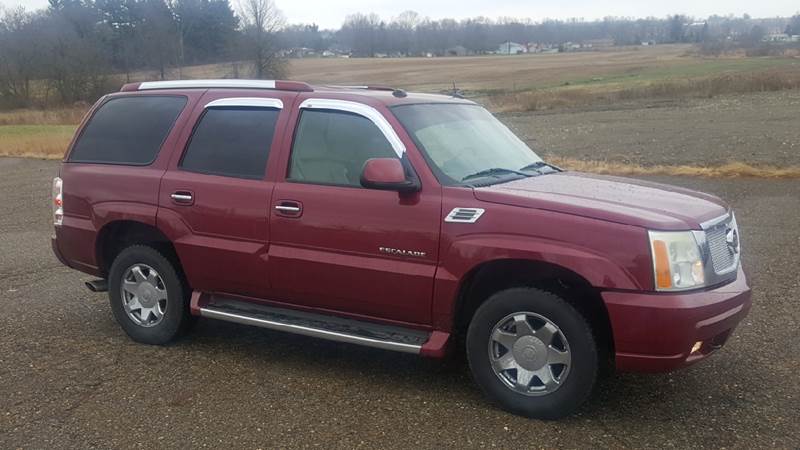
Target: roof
[{"x": 383, "y": 94}]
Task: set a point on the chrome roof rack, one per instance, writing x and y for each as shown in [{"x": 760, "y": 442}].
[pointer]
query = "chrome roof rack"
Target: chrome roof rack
[{"x": 219, "y": 84}]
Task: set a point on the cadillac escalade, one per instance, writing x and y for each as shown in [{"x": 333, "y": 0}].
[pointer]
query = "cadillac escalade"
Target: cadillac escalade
[{"x": 408, "y": 222}]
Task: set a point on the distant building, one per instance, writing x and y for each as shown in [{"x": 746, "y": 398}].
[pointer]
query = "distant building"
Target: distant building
[
  {"x": 458, "y": 50},
  {"x": 299, "y": 52},
  {"x": 781, "y": 37},
  {"x": 599, "y": 43},
  {"x": 511, "y": 48}
]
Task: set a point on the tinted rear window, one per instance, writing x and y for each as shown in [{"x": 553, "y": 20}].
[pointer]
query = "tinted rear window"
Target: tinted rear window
[
  {"x": 232, "y": 142},
  {"x": 128, "y": 130}
]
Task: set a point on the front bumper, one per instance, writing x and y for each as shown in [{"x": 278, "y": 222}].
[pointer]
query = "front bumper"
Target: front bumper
[{"x": 656, "y": 332}]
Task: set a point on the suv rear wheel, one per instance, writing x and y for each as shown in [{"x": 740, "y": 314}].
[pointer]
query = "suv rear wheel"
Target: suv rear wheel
[
  {"x": 147, "y": 297},
  {"x": 532, "y": 352}
]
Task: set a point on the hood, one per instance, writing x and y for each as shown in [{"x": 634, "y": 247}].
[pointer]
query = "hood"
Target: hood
[{"x": 650, "y": 205}]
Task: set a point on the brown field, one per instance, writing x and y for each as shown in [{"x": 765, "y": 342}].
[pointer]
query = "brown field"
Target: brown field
[{"x": 499, "y": 74}]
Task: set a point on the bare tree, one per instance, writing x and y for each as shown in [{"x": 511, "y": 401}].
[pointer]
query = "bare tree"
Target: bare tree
[
  {"x": 262, "y": 21},
  {"x": 19, "y": 57}
]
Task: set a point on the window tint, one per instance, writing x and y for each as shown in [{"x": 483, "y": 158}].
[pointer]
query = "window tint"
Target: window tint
[
  {"x": 331, "y": 147},
  {"x": 232, "y": 142},
  {"x": 128, "y": 130}
]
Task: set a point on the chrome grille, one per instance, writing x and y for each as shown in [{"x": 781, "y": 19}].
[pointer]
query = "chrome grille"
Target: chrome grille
[{"x": 724, "y": 255}]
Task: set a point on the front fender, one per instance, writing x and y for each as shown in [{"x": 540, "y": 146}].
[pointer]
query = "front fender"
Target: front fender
[{"x": 469, "y": 252}]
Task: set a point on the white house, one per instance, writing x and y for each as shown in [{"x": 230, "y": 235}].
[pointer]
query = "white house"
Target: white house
[{"x": 511, "y": 48}]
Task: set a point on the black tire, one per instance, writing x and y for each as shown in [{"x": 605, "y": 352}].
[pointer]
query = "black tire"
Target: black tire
[
  {"x": 176, "y": 318},
  {"x": 580, "y": 379}
]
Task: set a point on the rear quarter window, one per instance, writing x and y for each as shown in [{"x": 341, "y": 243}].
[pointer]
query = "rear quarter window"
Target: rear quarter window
[{"x": 128, "y": 130}]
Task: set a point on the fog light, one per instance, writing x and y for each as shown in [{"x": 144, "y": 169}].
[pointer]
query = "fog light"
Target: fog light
[{"x": 696, "y": 347}]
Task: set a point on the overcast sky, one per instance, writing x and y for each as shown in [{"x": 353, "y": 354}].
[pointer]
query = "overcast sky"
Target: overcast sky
[{"x": 331, "y": 13}]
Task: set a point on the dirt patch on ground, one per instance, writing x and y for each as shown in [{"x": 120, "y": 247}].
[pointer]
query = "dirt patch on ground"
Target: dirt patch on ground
[{"x": 761, "y": 128}]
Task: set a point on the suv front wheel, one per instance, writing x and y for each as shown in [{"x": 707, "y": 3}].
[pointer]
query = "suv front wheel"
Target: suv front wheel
[
  {"x": 532, "y": 352},
  {"x": 147, "y": 297}
]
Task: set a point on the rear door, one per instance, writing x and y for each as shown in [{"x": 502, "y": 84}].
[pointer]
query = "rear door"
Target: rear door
[
  {"x": 214, "y": 198},
  {"x": 339, "y": 246}
]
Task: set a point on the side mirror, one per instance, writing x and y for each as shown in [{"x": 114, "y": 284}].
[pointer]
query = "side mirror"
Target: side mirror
[{"x": 387, "y": 174}]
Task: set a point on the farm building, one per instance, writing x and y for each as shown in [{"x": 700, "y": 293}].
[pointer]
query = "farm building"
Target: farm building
[
  {"x": 458, "y": 50},
  {"x": 511, "y": 48}
]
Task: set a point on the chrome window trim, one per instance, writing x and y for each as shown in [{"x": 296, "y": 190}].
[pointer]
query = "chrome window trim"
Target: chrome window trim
[
  {"x": 363, "y": 110},
  {"x": 249, "y": 102},
  {"x": 207, "y": 84}
]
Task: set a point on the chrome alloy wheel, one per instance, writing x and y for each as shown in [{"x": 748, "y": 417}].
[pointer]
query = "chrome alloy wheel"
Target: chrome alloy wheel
[
  {"x": 144, "y": 295},
  {"x": 529, "y": 354}
]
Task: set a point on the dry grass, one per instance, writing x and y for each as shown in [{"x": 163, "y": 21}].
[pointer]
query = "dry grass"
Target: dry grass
[
  {"x": 35, "y": 141},
  {"x": 54, "y": 116},
  {"x": 703, "y": 87},
  {"x": 733, "y": 169}
]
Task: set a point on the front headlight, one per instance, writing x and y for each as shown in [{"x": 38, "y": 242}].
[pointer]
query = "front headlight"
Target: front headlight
[{"x": 677, "y": 260}]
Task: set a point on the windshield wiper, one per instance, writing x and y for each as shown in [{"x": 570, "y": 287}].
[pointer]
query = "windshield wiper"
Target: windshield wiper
[
  {"x": 539, "y": 165},
  {"x": 494, "y": 172}
]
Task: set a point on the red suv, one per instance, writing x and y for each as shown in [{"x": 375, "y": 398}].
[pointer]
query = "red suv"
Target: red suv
[{"x": 408, "y": 222}]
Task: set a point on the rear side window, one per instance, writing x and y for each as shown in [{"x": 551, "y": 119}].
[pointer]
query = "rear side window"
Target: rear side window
[
  {"x": 232, "y": 142},
  {"x": 331, "y": 147},
  {"x": 128, "y": 130}
]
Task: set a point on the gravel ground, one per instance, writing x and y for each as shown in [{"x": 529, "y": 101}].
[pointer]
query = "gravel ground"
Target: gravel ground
[
  {"x": 760, "y": 128},
  {"x": 69, "y": 377}
]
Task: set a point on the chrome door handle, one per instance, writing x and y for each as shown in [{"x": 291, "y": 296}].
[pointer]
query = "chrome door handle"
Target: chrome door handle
[
  {"x": 289, "y": 208},
  {"x": 181, "y": 197}
]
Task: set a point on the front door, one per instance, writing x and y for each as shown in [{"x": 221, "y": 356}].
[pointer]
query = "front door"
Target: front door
[
  {"x": 215, "y": 198},
  {"x": 341, "y": 247}
]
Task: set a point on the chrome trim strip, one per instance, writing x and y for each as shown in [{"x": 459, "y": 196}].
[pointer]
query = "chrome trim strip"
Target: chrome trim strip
[
  {"x": 363, "y": 110},
  {"x": 308, "y": 331},
  {"x": 249, "y": 102},
  {"x": 207, "y": 84},
  {"x": 451, "y": 217}
]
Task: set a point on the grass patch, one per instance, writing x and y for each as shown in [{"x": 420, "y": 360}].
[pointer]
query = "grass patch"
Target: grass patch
[
  {"x": 669, "y": 89},
  {"x": 35, "y": 141},
  {"x": 733, "y": 169},
  {"x": 53, "y": 116}
]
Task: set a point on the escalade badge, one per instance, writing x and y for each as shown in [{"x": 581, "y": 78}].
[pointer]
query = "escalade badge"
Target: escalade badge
[
  {"x": 732, "y": 238},
  {"x": 398, "y": 252}
]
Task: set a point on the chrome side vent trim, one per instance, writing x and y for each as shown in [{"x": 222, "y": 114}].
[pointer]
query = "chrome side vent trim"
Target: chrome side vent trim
[{"x": 464, "y": 215}]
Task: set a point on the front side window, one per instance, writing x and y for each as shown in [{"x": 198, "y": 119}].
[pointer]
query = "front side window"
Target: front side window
[
  {"x": 128, "y": 130},
  {"x": 232, "y": 141},
  {"x": 465, "y": 142},
  {"x": 331, "y": 147}
]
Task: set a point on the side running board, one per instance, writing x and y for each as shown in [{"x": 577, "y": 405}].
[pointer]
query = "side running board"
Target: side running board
[{"x": 321, "y": 326}]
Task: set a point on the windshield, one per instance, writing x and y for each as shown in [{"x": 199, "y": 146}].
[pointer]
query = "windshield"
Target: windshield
[{"x": 463, "y": 143}]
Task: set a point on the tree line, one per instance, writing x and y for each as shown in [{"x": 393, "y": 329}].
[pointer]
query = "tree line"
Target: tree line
[
  {"x": 76, "y": 50},
  {"x": 410, "y": 34}
]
